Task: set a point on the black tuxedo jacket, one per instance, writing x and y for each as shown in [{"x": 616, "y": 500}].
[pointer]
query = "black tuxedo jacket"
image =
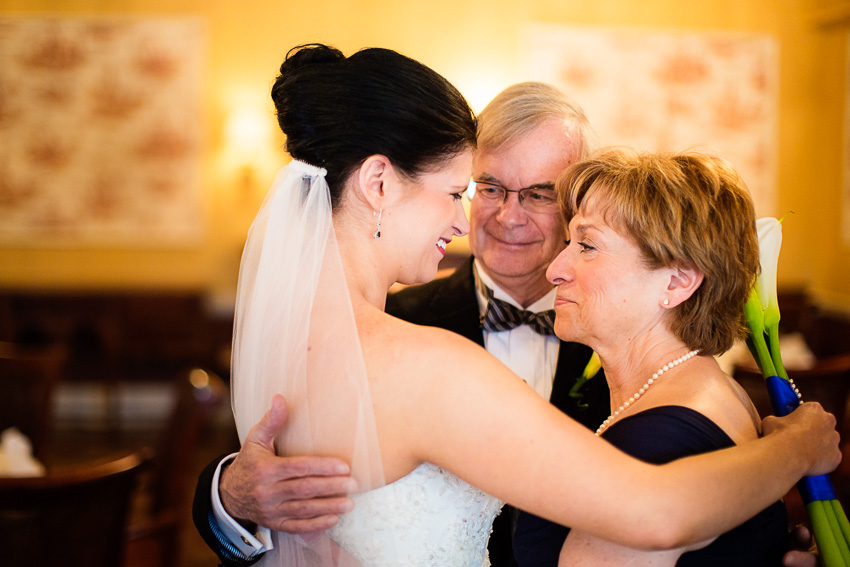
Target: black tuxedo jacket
[{"x": 451, "y": 303}]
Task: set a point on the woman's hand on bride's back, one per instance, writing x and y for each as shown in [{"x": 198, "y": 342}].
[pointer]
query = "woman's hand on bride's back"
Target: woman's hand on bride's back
[
  {"x": 812, "y": 431},
  {"x": 289, "y": 494}
]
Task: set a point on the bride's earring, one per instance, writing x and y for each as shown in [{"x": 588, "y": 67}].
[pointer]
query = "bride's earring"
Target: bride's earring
[
  {"x": 666, "y": 301},
  {"x": 377, "y": 216}
]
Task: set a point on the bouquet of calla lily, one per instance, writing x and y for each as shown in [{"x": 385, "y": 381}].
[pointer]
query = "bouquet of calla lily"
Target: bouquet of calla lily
[{"x": 829, "y": 522}]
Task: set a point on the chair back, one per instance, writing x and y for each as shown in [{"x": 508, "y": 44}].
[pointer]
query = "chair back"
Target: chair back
[
  {"x": 74, "y": 517},
  {"x": 28, "y": 378},
  {"x": 827, "y": 382},
  {"x": 155, "y": 540},
  {"x": 198, "y": 392}
]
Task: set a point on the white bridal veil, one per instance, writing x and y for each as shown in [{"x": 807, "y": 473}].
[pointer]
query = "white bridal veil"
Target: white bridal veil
[{"x": 295, "y": 335}]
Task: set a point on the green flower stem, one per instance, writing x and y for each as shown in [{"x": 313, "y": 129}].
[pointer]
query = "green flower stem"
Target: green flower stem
[
  {"x": 835, "y": 530},
  {"x": 824, "y": 536},
  {"x": 842, "y": 520},
  {"x": 755, "y": 320},
  {"x": 773, "y": 338},
  {"x": 574, "y": 392},
  {"x": 771, "y": 314},
  {"x": 763, "y": 355},
  {"x": 752, "y": 347},
  {"x": 770, "y": 318}
]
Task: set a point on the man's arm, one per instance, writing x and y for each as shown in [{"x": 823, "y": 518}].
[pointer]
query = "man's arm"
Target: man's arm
[
  {"x": 228, "y": 550},
  {"x": 292, "y": 494}
]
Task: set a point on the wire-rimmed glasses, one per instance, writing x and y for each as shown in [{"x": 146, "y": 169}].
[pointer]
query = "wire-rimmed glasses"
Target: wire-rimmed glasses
[{"x": 534, "y": 199}]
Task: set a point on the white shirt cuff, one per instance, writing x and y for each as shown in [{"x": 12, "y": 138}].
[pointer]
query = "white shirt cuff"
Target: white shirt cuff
[{"x": 249, "y": 544}]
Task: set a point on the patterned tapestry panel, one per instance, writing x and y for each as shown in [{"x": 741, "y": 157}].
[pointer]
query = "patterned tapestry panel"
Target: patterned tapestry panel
[
  {"x": 100, "y": 132},
  {"x": 670, "y": 91}
]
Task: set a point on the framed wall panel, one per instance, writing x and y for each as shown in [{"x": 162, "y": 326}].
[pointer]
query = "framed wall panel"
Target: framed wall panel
[
  {"x": 100, "y": 132},
  {"x": 670, "y": 91}
]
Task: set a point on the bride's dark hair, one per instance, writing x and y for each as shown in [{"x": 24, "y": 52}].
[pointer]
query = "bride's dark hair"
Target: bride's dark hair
[{"x": 336, "y": 111}]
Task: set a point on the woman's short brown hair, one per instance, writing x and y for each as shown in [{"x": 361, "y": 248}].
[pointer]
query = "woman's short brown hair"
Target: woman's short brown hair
[{"x": 684, "y": 210}]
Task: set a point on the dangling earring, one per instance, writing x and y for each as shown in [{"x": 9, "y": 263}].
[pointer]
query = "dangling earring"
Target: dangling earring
[
  {"x": 666, "y": 301},
  {"x": 377, "y": 216}
]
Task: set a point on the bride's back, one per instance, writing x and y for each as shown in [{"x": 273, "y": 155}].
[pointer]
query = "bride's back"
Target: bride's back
[{"x": 427, "y": 518}]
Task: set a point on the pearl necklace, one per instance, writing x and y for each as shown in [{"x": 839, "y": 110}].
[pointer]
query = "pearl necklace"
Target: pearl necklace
[{"x": 669, "y": 366}]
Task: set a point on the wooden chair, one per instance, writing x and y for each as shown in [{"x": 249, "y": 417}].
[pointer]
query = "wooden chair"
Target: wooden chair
[
  {"x": 28, "y": 378},
  {"x": 154, "y": 536},
  {"x": 73, "y": 517}
]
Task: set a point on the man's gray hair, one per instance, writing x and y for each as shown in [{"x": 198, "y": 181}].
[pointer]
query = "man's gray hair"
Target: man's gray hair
[{"x": 522, "y": 107}]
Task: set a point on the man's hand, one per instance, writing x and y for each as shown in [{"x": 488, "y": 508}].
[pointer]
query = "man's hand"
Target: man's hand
[
  {"x": 290, "y": 494},
  {"x": 800, "y": 549}
]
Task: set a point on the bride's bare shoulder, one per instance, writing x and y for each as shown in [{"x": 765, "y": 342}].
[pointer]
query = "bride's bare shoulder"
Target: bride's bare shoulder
[{"x": 389, "y": 340}]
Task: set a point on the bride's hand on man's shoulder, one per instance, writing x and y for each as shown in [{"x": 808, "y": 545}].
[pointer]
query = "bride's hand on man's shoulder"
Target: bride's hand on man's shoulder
[
  {"x": 290, "y": 494},
  {"x": 811, "y": 431}
]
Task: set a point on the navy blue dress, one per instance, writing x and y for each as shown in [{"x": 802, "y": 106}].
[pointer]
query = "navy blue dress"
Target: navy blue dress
[{"x": 659, "y": 435}]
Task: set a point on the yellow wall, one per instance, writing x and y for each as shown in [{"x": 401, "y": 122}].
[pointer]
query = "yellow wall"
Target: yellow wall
[{"x": 475, "y": 44}]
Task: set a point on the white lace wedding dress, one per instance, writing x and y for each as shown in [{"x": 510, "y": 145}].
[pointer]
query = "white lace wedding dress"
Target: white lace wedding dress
[{"x": 429, "y": 518}]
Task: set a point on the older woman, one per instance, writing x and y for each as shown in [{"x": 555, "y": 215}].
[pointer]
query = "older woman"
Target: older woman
[{"x": 662, "y": 255}]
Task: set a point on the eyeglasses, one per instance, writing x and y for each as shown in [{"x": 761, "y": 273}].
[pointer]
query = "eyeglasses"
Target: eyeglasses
[{"x": 532, "y": 199}]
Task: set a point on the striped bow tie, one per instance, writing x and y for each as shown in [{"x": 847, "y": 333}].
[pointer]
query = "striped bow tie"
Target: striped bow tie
[{"x": 502, "y": 316}]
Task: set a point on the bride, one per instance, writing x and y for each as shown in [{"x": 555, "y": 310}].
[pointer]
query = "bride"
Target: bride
[{"x": 438, "y": 433}]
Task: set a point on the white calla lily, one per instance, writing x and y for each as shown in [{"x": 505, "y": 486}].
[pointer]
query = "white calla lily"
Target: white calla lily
[
  {"x": 770, "y": 241},
  {"x": 764, "y": 324}
]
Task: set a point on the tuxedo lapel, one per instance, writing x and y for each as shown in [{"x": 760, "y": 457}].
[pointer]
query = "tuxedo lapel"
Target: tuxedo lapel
[{"x": 449, "y": 303}]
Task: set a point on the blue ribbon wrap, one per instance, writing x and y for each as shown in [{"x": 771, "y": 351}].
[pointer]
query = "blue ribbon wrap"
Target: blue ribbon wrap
[{"x": 784, "y": 401}]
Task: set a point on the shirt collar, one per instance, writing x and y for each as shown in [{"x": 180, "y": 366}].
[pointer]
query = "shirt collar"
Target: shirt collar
[{"x": 482, "y": 277}]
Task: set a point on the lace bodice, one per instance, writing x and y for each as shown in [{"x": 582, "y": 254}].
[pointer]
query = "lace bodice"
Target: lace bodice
[{"x": 429, "y": 518}]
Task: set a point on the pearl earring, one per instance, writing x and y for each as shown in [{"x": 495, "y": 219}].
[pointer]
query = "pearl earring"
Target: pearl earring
[
  {"x": 377, "y": 233},
  {"x": 666, "y": 301}
]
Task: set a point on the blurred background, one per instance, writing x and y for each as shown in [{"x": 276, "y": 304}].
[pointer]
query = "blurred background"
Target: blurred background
[{"x": 137, "y": 140}]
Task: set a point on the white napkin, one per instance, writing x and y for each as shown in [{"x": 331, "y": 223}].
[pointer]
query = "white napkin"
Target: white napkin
[{"x": 16, "y": 455}]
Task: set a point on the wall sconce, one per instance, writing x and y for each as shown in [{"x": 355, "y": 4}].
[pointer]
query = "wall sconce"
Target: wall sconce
[{"x": 248, "y": 146}]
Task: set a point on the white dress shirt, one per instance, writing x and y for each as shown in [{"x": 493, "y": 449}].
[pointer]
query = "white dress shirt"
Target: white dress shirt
[
  {"x": 531, "y": 356},
  {"x": 250, "y": 545}
]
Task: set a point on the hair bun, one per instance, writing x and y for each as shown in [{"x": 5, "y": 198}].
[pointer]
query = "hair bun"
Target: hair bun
[
  {"x": 303, "y": 56},
  {"x": 336, "y": 111}
]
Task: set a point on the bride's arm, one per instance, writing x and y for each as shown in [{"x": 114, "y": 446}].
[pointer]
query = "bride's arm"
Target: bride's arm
[
  {"x": 584, "y": 550},
  {"x": 454, "y": 405}
]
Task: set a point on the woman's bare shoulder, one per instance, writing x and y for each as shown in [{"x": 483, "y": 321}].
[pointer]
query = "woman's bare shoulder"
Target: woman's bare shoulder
[
  {"x": 389, "y": 340},
  {"x": 714, "y": 394},
  {"x": 422, "y": 380}
]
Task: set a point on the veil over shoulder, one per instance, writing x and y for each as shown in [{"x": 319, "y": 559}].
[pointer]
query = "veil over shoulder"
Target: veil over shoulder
[{"x": 295, "y": 335}]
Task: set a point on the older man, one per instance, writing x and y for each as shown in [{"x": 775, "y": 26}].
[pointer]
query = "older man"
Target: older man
[
  {"x": 500, "y": 298},
  {"x": 527, "y": 135}
]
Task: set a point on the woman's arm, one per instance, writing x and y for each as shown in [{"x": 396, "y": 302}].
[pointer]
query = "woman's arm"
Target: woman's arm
[
  {"x": 584, "y": 550},
  {"x": 452, "y": 404}
]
